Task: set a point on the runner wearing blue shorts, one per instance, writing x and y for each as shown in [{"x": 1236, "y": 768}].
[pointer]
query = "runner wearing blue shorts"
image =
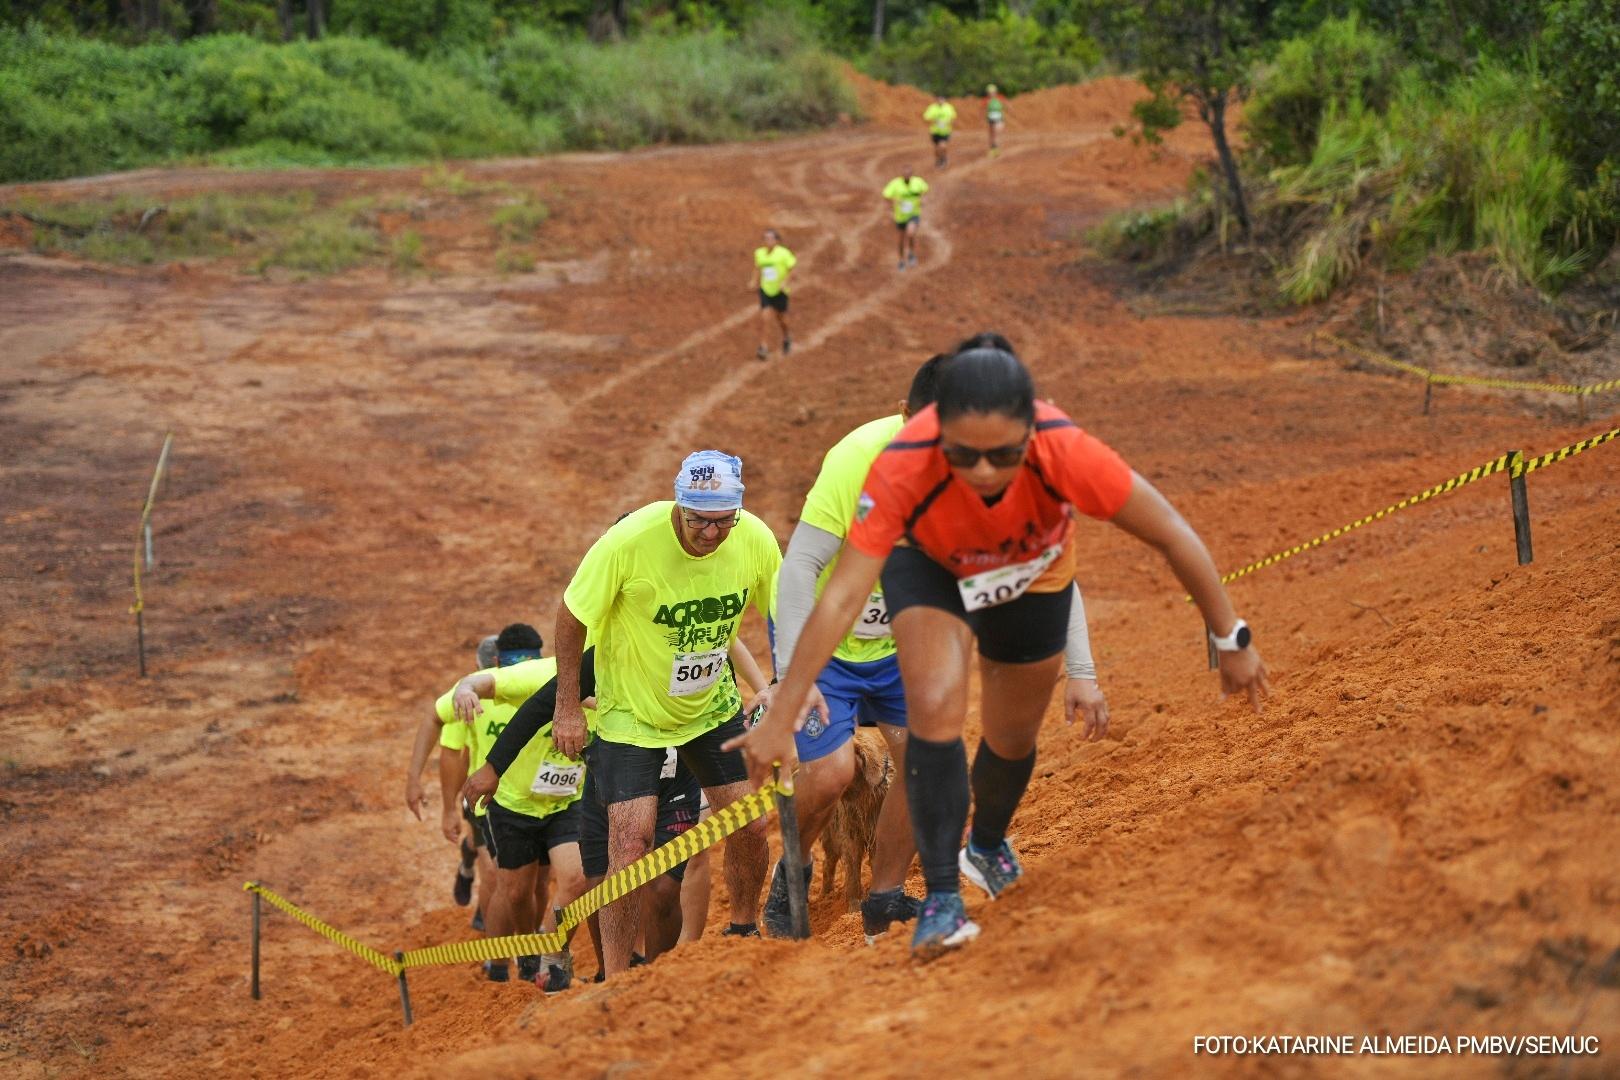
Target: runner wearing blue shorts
[{"x": 861, "y": 683}]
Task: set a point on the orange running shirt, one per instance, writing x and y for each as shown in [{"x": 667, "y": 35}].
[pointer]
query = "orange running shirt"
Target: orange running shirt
[{"x": 911, "y": 495}]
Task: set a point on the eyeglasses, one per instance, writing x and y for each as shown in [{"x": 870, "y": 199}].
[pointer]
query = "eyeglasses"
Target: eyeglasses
[
  {"x": 1002, "y": 457},
  {"x": 703, "y": 525}
]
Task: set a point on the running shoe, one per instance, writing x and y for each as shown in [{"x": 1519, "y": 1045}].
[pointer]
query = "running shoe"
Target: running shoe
[
  {"x": 529, "y": 968},
  {"x": 750, "y": 930},
  {"x": 497, "y": 970},
  {"x": 787, "y": 344},
  {"x": 942, "y": 925},
  {"x": 478, "y": 921},
  {"x": 777, "y": 918},
  {"x": 557, "y": 974},
  {"x": 636, "y": 960},
  {"x": 880, "y": 910},
  {"x": 463, "y": 889},
  {"x": 762, "y": 353},
  {"x": 902, "y": 264},
  {"x": 993, "y": 871},
  {"x": 912, "y": 258}
]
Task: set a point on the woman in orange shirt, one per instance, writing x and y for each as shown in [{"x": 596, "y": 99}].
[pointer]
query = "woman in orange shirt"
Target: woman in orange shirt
[{"x": 968, "y": 516}]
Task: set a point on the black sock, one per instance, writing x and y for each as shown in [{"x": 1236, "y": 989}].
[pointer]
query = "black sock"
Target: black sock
[
  {"x": 740, "y": 928},
  {"x": 998, "y": 785},
  {"x": 937, "y": 792}
]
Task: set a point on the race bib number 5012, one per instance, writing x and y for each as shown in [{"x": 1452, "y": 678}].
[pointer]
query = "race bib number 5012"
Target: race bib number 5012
[{"x": 693, "y": 673}]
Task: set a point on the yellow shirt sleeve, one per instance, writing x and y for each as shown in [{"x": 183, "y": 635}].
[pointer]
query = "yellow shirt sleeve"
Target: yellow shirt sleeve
[
  {"x": 596, "y": 583},
  {"x": 516, "y": 684}
]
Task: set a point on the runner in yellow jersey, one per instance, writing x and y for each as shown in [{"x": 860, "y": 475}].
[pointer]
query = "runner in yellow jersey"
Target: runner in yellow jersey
[
  {"x": 772, "y": 265},
  {"x": 905, "y": 193},
  {"x": 533, "y": 819},
  {"x": 862, "y": 681},
  {"x": 462, "y": 749},
  {"x": 663, "y": 593},
  {"x": 995, "y": 114},
  {"x": 940, "y": 115}
]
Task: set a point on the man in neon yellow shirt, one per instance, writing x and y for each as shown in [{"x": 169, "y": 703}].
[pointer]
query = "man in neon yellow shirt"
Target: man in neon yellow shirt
[
  {"x": 462, "y": 749},
  {"x": 663, "y": 593},
  {"x": 772, "y": 265},
  {"x": 862, "y": 682},
  {"x": 940, "y": 116},
  {"x": 533, "y": 820},
  {"x": 905, "y": 192}
]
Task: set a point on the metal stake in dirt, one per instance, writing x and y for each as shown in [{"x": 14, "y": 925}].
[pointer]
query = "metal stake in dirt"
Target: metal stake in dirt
[
  {"x": 793, "y": 862},
  {"x": 1428, "y": 393},
  {"x": 256, "y": 907},
  {"x": 143, "y": 545},
  {"x": 404, "y": 989},
  {"x": 1521, "y": 506},
  {"x": 1214, "y": 654}
]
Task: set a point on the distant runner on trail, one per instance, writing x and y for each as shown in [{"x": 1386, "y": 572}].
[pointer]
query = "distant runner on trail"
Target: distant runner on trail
[
  {"x": 461, "y": 750},
  {"x": 663, "y": 593},
  {"x": 906, "y": 192},
  {"x": 940, "y": 116},
  {"x": 772, "y": 265},
  {"x": 995, "y": 113},
  {"x": 533, "y": 818},
  {"x": 861, "y": 683},
  {"x": 982, "y": 489}
]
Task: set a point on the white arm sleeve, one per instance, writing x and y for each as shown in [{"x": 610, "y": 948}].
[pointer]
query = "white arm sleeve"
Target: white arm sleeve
[
  {"x": 1077, "y": 660},
  {"x": 810, "y": 551}
]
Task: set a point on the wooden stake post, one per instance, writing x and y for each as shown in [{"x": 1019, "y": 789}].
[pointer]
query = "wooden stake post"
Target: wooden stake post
[
  {"x": 1521, "y": 506},
  {"x": 793, "y": 863}
]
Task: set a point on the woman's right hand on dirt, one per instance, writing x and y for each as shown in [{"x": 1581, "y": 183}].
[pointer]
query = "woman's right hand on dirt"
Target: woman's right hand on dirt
[{"x": 1244, "y": 672}]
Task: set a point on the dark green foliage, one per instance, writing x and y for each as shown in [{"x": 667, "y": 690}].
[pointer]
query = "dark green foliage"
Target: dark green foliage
[
  {"x": 1581, "y": 55},
  {"x": 1339, "y": 62},
  {"x": 948, "y": 55},
  {"x": 419, "y": 27}
]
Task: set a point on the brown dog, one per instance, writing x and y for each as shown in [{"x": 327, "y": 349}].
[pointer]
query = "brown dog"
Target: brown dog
[{"x": 847, "y": 839}]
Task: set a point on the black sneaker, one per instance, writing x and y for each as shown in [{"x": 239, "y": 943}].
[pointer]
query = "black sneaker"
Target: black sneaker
[
  {"x": 778, "y": 914},
  {"x": 497, "y": 970},
  {"x": 558, "y": 974},
  {"x": 740, "y": 930},
  {"x": 463, "y": 890},
  {"x": 636, "y": 960},
  {"x": 787, "y": 344},
  {"x": 762, "y": 353},
  {"x": 880, "y": 910},
  {"x": 529, "y": 968}
]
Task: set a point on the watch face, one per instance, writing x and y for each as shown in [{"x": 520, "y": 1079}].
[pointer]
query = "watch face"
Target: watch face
[{"x": 1243, "y": 637}]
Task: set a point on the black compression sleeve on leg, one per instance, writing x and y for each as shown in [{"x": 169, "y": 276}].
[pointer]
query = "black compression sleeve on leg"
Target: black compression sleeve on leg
[
  {"x": 998, "y": 785},
  {"x": 937, "y": 792}
]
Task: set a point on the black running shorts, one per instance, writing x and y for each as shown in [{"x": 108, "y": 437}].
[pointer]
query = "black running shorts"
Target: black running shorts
[
  {"x": 1033, "y": 627},
  {"x": 679, "y": 797},
  {"x": 518, "y": 840},
  {"x": 624, "y": 772},
  {"x": 779, "y": 301}
]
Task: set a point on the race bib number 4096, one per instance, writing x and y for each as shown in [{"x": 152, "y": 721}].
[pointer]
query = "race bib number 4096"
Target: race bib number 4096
[
  {"x": 1008, "y": 583},
  {"x": 553, "y": 779},
  {"x": 695, "y": 672}
]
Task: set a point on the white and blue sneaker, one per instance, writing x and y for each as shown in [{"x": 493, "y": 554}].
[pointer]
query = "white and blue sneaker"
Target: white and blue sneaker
[
  {"x": 942, "y": 925},
  {"x": 993, "y": 871}
]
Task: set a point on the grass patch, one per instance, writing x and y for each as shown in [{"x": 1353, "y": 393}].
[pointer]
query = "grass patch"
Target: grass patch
[
  {"x": 510, "y": 260},
  {"x": 517, "y": 221},
  {"x": 406, "y": 251}
]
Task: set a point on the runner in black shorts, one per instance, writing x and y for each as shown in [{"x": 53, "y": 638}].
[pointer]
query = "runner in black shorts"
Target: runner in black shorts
[{"x": 982, "y": 490}]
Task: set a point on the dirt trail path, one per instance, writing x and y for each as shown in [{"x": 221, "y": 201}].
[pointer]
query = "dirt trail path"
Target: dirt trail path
[{"x": 372, "y": 472}]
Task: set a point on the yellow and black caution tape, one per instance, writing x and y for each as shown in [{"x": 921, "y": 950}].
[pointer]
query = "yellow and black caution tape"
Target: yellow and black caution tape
[
  {"x": 1515, "y": 465},
  {"x": 1530, "y": 465},
  {"x": 1479, "y": 472},
  {"x": 1441, "y": 379},
  {"x": 331, "y": 933},
  {"x": 702, "y": 836}
]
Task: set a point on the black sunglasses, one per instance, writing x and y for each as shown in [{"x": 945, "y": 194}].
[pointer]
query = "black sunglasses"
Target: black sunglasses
[{"x": 1002, "y": 457}]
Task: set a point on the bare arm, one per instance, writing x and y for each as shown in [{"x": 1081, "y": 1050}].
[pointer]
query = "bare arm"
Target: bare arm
[
  {"x": 568, "y": 728},
  {"x": 1148, "y": 516},
  {"x": 452, "y": 774},
  {"x": 742, "y": 660},
  {"x": 470, "y": 692},
  {"x": 427, "y": 733},
  {"x": 772, "y": 740}
]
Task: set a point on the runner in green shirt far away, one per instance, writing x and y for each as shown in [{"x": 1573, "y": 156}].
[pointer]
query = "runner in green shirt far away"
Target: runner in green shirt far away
[{"x": 772, "y": 265}]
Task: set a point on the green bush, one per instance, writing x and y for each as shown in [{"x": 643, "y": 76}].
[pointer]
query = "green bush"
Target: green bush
[
  {"x": 1339, "y": 62},
  {"x": 1471, "y": 166},
  {"x": 418, "y": 27},
  {"x": 948, "y": 55},
  {"x": 1581, "y": 51}
]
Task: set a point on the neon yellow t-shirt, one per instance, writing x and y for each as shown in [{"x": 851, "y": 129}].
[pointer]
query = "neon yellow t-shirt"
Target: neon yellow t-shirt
[
  {"x": 663, "y": 621},
  {"x": 830, "y": 507},
  {"x": 774, "y": 265},
  {"x": 906, "y": 196},
  {"x": 478, "y": 737},
  {"x": 540, "y": 781},
  {"x": 940, "y": 117}
]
